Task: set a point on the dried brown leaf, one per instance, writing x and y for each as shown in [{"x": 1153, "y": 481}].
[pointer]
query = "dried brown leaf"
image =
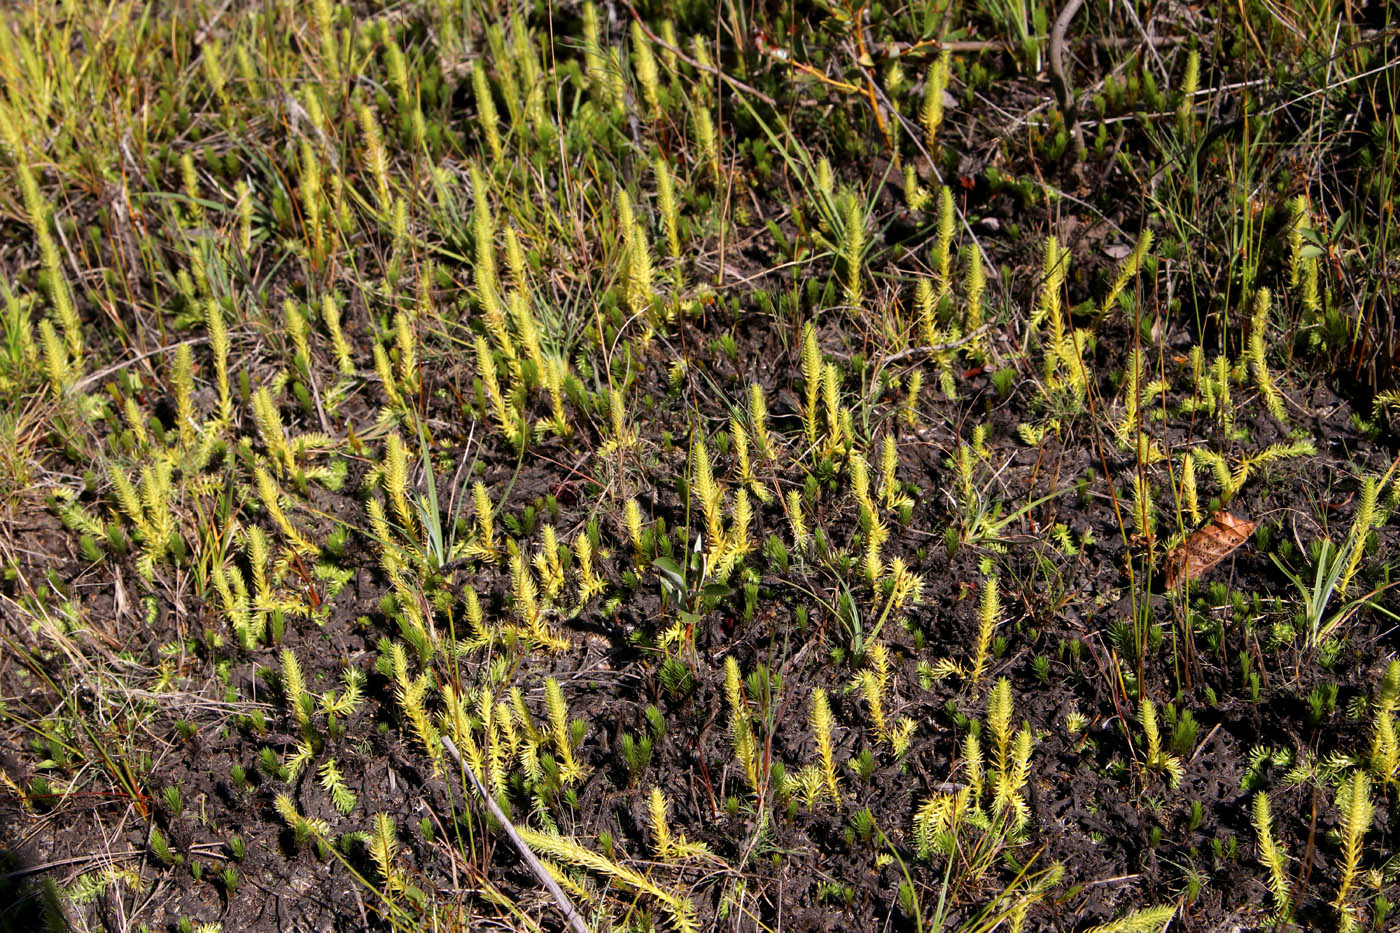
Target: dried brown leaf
[{"x": 1206, "y": 547}]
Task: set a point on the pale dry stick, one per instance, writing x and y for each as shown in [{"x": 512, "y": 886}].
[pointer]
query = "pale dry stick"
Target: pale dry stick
[
  {"x": 72, "y": 259},
  {"x": 1327, "y": 79},
  {"x": 709, "y": 69},
  {"x": 208, "y": 27},
  {"x": 1331, "y": 86},
  {"x": 734, "y": 278},
  {"x": 1147, "y": 41},
  {"x": 205, "y": 849},
  {"x": 116, "y": 367},
  {"x": 1063, "y": 90},
  {"x": 932, "y": 348},
  {"x": 901, "y": 49},
  {"x": 566, "y": 906},
  {"x": 1202, "y": 744},
  {"x": 921, "y": 351},
  {"x": 1024, "y": 118}
]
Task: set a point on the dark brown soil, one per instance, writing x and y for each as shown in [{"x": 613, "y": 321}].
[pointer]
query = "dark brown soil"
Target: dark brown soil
[{"x": 1088, "y": 631}]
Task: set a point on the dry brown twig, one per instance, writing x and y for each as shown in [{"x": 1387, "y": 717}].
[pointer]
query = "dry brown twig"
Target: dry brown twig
[{"x": 1063, "y": 90}]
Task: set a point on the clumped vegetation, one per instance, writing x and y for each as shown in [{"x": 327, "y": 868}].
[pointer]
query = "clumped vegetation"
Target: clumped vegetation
[{"x": 471, "y": 465}]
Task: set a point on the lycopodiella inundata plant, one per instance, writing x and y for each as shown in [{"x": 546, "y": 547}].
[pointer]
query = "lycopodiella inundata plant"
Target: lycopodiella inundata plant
[
  {"x": 589, "y": 583},
  {"x": 637, "y": 254},
  {"x": 943, "y": 245},
  {"x": 1138, "y": 395},
  {"x": 298, "y": 333},
  {"x": 876, "y": 534},
  {"x": 563, "y": 849},
  {"x": 916, "y": 196},
  {"x": 623, "y": 437},
  {"x": 1302, "y": 267},
  {"x": 666, "y": 201},
  {"x": 1384, "y": 757},
  {"x": 822, "y": 722},
  {"x": 556, "y": 371},
  {"x": 1258, "y": 362},
  {"x": 480, "y": 635},
  {"x": 632, "y": 521},
  {"x": 334, "y": 783},
  {"x": 485, "y": 276},
  {"x": 708, "y": 494},
  {"x": 182, "y": 376},
  {"x": 836, "y": 416},
  {"x": 570, "y": 770},
  {"x": 988, "y": 618},
  {"x": 1367, "y": 519},
  {"x": 312, "y": 198},
  {"x": 871, "y": 681},
  {"x": 507, "y": 418},
  {"x": 303, "y": 827},
  {"x": 330, "y": 46},
  {"x": 1156, "y": 758},
  {"x": 795, "y": 519},
  {"x": 874, "y": 683},
  {"x": 1272, "y": 854},
  {"x": 527, "y": 330},
  {"x": 1052, "y": 278},
  {"x": 411, "y": 695},
  {"x": 211, "y": 63},
  {"x": 516, "y": 263},
  {"x": 739, "y": 443},
  {"x": 487, "y": 117},
  {"x": 1012, "y": 755},
  {"x": 1357, "y": 812},
  {"x": 1190, "y": 500},
  {"x": 395, "y": 481},
  {"x": 860, "y": 481},
  {"x": 737, "y": 543},
  {"x": 975, "y": 286},
  {"x": 385, "y": 371},
  {"x": 526, "y": 593},
  {"x": 853, "y": 246},
  {"x": 758, "y": 418},
  {"x": 895, "y": 499},
  {"x": 274, "y": 437},
  {"x": 595, "y": 63},
  {"x": 909, "y": 411},
  {"x": 668, "y": 845},
  {"x": 548, "y": 565},
  {"x": 935, "y": 85},
  {"x": 746, "y": 749},
  {"x": 330, "y": 316},
  {"x": 1144, "y": 508},
  {"x": 939, "y": 821},
  {"x": 812, "y": 377},
  {"x": 383, "y": 849},
  {"x": 644, "y": 64},
  {"x": 1128, "y": 270},
  {"x": 406, "y": 342},
  {"x": 707, "y": 142},
  {"x": 484, "y": 544},
  {"x": 375, "y": 160},
  {"x": 294, "y": 689},
  {"x": 926, "y": 307}
]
